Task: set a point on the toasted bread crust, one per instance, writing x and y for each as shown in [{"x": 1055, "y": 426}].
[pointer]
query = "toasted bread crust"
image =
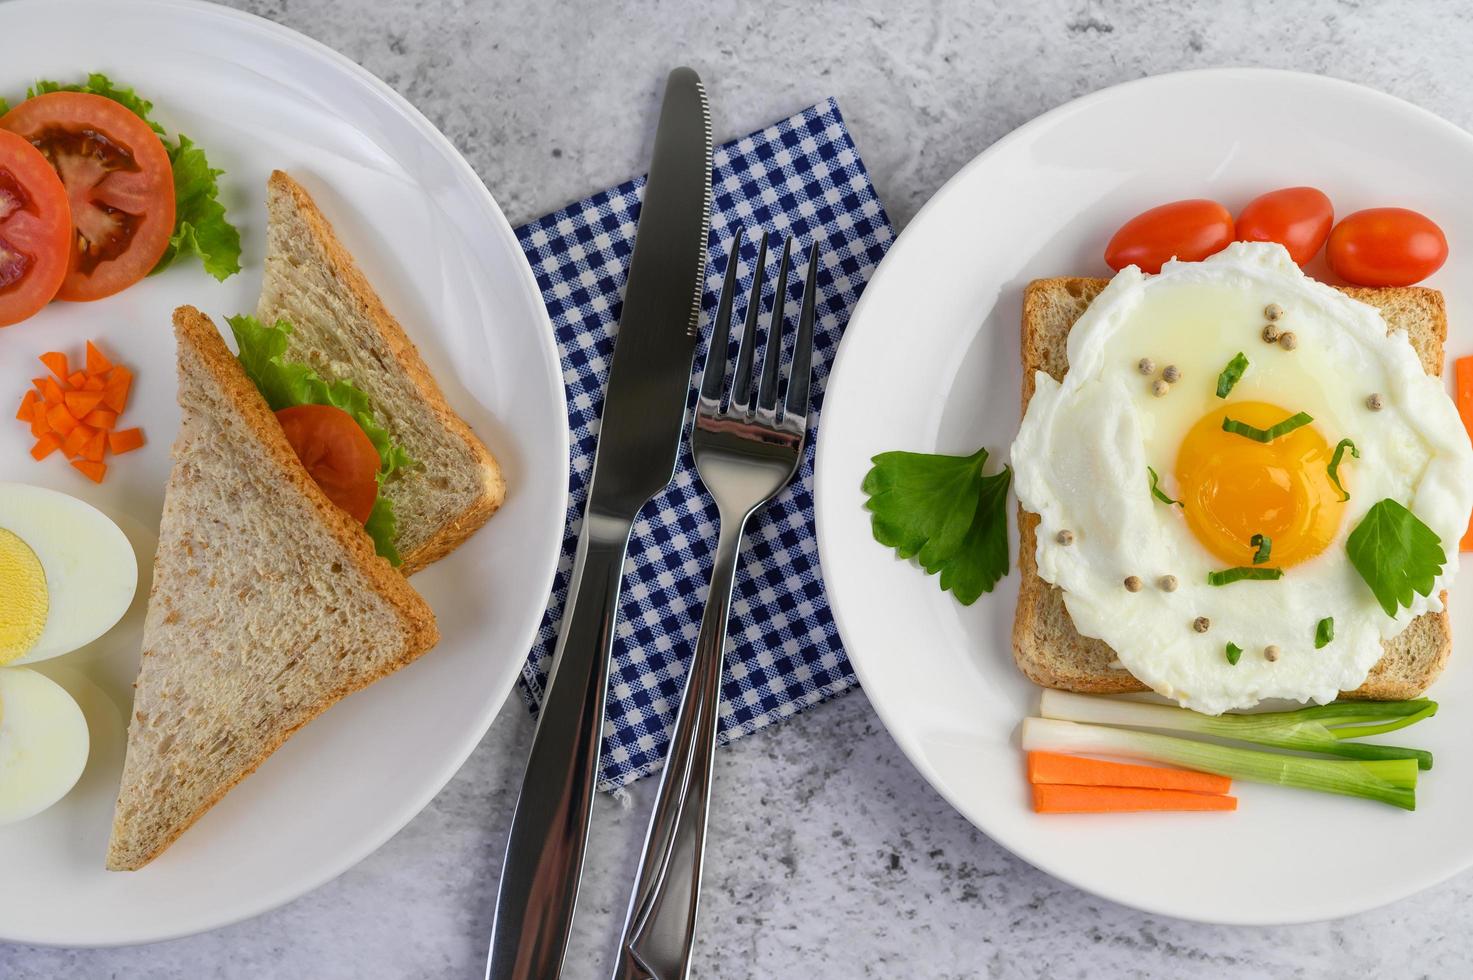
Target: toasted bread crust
[
  {"x": 454, "y": 531},
  {"x": 1046, "y": 646}
]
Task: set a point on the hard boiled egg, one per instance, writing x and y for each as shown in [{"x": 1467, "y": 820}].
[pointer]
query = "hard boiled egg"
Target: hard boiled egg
[
  {"x": 43, "y": 743},
  {"x": 67, "y": 574}
]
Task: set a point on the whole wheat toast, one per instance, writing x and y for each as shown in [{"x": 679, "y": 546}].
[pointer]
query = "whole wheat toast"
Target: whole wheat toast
[{"x": 1047, "y": 647}]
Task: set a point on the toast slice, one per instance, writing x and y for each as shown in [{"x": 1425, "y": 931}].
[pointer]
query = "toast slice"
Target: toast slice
[
  {"x": 1047, "y": 647},
  {"x": 268, "y": 605},
  {"x": 341, "y": 328}
]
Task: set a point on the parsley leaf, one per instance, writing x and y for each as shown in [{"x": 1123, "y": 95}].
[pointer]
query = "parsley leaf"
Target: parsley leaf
[
  {"x": 4, "y": 106},
  {"x": 1396, "y": 554},
  {"x": 1234, "y": 653},
  {"x": 1334, "y": 467},
  {"x": 1158, "y": 493},
  {"x": 1265, "y": 546},
  {"x": 1231, "y": 374},
  {"x": 1244, "y": 574},
  {"x": 944, "y": 512},
  {"x": 1324, "y": 632},
  {"x": 1273, "y": 432}
]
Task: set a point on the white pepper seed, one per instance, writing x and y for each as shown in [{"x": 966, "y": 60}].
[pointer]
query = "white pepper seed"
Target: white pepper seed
[
  {"x": 1168, "y": 583},
  {"x": 1159, "y": 388},
  {"x": 1065, "y": 537},
  {"x": 1271, "y": 653},
  {"x": 1201, "y": 624},
  {"x": 1270, "y": 333},
  {"x": 1287, "y": 340},
  {"x": 1132, "y": 583},
  {"x": 1171, "y": 375},
  {"x": 1374, "y": 403},
  {"x": 1273, "y": 311},
  {"x": 1146, "y": 366}
]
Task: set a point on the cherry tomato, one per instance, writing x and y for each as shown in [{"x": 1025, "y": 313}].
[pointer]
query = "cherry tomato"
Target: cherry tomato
[
  {"x": 337, "y": 453},
  {"x": 1298, "y": 218},
  {"x": 1186, "y": 230},
  {"x": 1386, "y": 247},
  {"x": 35, "y": 230},
  {"x": 118, "y": 179}
]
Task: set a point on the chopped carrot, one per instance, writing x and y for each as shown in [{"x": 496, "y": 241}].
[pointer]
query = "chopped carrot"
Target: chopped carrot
[
  {"x": 97, "y": 362},
  {"x": 56, "y": 361},
  {"x": 115, "y": 395},
  {"x": 77, "y": 379},
  {"x": 96, "y": 447},
  {"x": 101, "y": 418},
  {"x": 1056, "y": 798},
  {"x": 94, "y": 383},
  {"x": 1052, "y": 767},
  {"x": 39, "y": 424},
  {"x": 51, "y": 392},
  {"x": 80, "y": 403},
  {"x": 27, "y": 405},
  {"x": 1463, "y": 383},
  {"x": 96, "y": 471},
  {"x": 76, "y": 441},
  {"x": 45, "y": 446},
  {"x": 61, "y": 420},
  {"x": 125, "y": 441}
]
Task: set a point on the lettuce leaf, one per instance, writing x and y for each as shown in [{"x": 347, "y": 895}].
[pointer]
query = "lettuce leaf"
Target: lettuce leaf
[{"x": 286, "y": 383}]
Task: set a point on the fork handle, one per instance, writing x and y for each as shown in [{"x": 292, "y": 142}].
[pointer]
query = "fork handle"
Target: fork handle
[{"x": 660, "y": 929}]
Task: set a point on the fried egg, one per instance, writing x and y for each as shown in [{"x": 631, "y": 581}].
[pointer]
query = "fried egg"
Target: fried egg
[
  {"x": 67, "y": 574},
  {"x": 1135, "y": 570}
]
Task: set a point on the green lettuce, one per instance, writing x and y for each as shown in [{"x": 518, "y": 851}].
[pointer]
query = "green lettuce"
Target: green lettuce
[
  {"x": 200, "y": 225},
  {"x": 286, "y": 383}
]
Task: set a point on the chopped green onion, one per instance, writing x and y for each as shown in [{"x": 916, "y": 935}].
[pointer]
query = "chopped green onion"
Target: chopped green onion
[
  {"x": 1234, "y": 653},
  {"x": 1273, "y": 432},
  {"x": 1231, "y": 374},
  {"x": 1160, "y": 494},
  {"x": 1340, "y": 448},
  {"x": 1265, "y": 546},
  {"x": 1324, "y": 632},
  {"x": 1242, "y": 574},
  {"x": 1390, "y": 781},
  {"x": 1324, "y": 728}
]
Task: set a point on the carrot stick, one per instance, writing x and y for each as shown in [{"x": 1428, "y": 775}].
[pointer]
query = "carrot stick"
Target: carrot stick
[
  {"x": 1053, "y": 767},
  {"x": 1055, "y": 798},
  {"x": 1463, "y": 384}
]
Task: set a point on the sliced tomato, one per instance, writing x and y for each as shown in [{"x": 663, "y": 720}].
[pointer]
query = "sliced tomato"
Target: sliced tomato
[
  {"x": 338, "y": 455},
  {"x": 1386, "y": 247},
  {"x": 1298, "y": 218},
  {"x": 1185, "y": 230},
  {"x": 35, "y": 230},
  {"x": 118, "y": 179}
]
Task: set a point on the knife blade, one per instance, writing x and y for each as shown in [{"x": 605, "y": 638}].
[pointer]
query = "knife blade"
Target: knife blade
[{"x": 640, "y": 431}]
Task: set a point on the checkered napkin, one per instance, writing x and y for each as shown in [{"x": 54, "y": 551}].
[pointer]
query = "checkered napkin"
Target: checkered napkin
[{"x": 801, "y": 177}]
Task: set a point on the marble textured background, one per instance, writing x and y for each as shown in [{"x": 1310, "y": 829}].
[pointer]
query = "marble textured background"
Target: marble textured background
[{"x": 830, "y": 857}]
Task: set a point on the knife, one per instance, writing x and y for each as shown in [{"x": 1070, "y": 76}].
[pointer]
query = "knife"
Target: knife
[{"x": 640, "y": 432}]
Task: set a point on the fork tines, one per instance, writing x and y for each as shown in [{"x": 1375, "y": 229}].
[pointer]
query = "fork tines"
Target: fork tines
[{"x": 713, "y": 381}]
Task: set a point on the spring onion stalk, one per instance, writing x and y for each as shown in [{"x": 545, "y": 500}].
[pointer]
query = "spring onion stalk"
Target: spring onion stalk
[
  {"x": 1325, "y": 729},
  {"x": 1390, "y": 781}
]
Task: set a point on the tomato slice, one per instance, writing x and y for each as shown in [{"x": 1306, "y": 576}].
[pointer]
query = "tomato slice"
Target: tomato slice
[
  {"x": 118, "y": 179},
  {"x": 1185, "y": 230},
  {"x": 1298, "y": 218},
  {"x": 1386, "y": 247},
  {"x": 338, "y": 455},
  {"x": 35, "y": 230}
]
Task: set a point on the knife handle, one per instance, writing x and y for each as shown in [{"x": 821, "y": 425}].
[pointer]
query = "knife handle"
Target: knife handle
[{"x": 549, "y": 828}]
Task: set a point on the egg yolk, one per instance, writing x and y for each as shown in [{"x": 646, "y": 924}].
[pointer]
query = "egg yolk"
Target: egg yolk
[
  {"x": 1233, "y": 487},
  {"x": 23, "y": 584}
]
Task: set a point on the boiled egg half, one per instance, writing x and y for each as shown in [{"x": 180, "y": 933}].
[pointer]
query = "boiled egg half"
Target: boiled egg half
[{"x": 43, "y": 743}]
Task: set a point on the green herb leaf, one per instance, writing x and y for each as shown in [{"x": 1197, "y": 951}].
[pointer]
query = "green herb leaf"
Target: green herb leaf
[
  {"x": 1242, "y": 574},
  {"x": 1231, "y": 374},
  {"x": 383, "y": 528},
  {"x": 1234, "y": 653},
  {"x": 4, "y": 106},
  {"x": 1334, "y": 467},
  {"x": 1265, "y": 546},
  {"x": 1272, "y": 432},
  {"x": 944, "y": 512},
  {"x": 99, "y": 84},
  {"x": 1324, "y": 632},
  {"x": 1396, "y": 554},
  {"x": 1160, "y": 494},
  {"x": 284, "y": 384}
]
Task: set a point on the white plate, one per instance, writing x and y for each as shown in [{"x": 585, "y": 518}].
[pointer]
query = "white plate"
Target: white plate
[
  {"x": 429, "y": 236},
  {"x": 930, "y": 363}
]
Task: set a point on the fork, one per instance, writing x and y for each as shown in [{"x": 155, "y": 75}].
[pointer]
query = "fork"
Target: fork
[{"x": 744, "y": 453}]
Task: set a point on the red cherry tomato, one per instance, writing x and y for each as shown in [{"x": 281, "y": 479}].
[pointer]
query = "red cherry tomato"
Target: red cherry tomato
[
  {"x": 1298, "y": 218},
  {"x": 35, "y": 230},
  {"x": 337, "y": 453},
  {"x": 118, "y": 178},
  {"x": 1186, "y": 230},
  {"x": 1386, "y": 247}
]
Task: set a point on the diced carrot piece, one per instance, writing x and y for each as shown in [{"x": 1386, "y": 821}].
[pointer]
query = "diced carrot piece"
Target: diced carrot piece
[
  {"x": 76, "y": 441},
  {"x": 96, "y": 447},
  {"x": 77, "y": 379},
  {"x": 1058, "y": 798},
  {"x": 101, "y": 418},
  {"x": 1463, "y": 385},
  {"x": 51, "y": 391},
  {"x": 79, "y": 403},
  {"x": 115, "y": 395},
  {"x": 61, "y": 420},
  {"x": 56, "y": 361},
  {"x": 39, "y": 424},
  {"x": 1053, "y": 767},
  {"x": 97, "y": 362},
  {"x": 125, "y": 440},
  {"x": 27, "y": 405},
  {"x": 94, "y": 383},
  {"x": 45, "y": 446},
  {"x": 96, "y": 471}
]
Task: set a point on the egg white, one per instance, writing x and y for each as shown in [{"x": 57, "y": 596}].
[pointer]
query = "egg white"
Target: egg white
[
  {"x": 1081, "y": 455},
  {"x": 44, "y": 743}
]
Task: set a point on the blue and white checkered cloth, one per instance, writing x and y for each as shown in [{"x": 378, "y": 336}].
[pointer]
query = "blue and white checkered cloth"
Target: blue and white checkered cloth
[{"x": 802, "y": 178}]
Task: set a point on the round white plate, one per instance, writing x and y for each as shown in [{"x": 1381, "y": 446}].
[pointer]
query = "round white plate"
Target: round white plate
[
  {"x": 428, "y": 235},
  {"x": 930, "y": 363}
]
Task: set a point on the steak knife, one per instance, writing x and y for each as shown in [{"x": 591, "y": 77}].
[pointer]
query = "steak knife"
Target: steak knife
[{"x": 640, "y": 432}]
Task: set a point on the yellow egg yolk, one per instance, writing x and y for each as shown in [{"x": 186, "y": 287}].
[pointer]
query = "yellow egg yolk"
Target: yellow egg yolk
[
  {"x": 23, "y": 586},
  {"x": 1233, "y": 487}
]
